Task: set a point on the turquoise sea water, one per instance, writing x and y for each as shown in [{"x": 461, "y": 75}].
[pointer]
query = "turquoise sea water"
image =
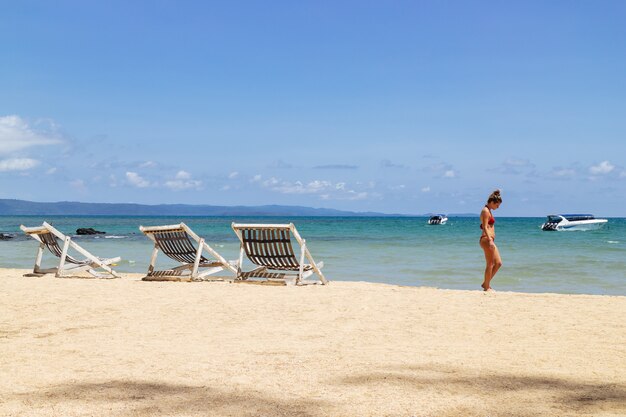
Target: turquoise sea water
[{"x": 402, "y": 250}]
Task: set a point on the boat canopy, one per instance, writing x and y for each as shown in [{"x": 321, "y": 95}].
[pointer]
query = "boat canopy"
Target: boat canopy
[
  {"x": 577, "y": 217},
  {"x": 555, "y": 218}
]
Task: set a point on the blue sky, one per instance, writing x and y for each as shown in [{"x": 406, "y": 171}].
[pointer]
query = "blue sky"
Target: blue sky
[{"x": 390, "y": 106}]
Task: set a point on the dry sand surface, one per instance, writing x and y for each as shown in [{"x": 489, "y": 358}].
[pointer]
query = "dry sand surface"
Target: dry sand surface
[{"x": 87, "y": 347}]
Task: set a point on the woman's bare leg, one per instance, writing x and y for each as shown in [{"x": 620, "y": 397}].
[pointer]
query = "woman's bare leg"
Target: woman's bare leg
[
  {"x": 489, "y": 258},
  {"x": 497, "y": 263}
]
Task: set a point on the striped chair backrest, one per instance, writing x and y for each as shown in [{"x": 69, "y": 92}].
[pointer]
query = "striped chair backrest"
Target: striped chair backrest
[
  {"x": 177, "y": 245},
  {"x": 52, "y": 243},
  {"x": 270, "y": 248}
]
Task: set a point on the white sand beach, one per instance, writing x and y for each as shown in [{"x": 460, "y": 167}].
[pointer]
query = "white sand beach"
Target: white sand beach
[{"x": 88, "y": 347}]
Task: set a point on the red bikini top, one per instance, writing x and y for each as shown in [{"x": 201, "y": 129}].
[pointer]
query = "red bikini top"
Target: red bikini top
[{"x": 491, "y": 220}]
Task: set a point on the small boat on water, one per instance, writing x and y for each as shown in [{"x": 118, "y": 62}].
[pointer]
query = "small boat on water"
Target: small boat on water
[
  {"x": 438, "y": 219},
  {"x": 561, "y": 222}
]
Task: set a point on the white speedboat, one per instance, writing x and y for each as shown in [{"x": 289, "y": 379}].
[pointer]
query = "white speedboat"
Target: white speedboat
[
  {"x": 562, "y": 222},
  {"x": 438, "y": 219}
]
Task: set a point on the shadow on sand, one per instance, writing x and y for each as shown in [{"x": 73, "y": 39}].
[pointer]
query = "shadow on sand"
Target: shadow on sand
[
  {"x": 476, "y": 393},
  {"x": 573, "y": 397},
  {"x": 137, "y": 398}
]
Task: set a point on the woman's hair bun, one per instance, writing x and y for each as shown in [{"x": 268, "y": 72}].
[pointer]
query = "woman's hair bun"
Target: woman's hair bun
[{"x": 495, "y": 197}]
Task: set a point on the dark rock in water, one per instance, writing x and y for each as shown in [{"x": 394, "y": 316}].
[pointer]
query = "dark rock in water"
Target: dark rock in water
[
  {"x": 4, "y": 236},
  {"x": 88, "y": 231}
]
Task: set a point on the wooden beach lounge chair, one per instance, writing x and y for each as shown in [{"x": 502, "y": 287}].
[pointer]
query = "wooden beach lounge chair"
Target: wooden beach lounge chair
[
  {"x": 175, "y": 241},
  {"x": 269, "y": 246},
  {"x": 49, "y": 237}
]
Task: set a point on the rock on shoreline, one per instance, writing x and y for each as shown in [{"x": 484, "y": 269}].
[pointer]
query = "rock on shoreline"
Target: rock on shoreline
[{"x": 88, "y": 231}]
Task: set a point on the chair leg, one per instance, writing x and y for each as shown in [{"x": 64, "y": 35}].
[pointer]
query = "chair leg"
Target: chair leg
[
  {"x": 240, "y": 261},
  {"x": 196, "y": 262},
  {"x": 66, "y": 246},
  {"x": 155, "y": 252},
  {"x": 302, "y": 253},
  {"x": 37, "y": 267},
  {"x": 317, "y": 267}
]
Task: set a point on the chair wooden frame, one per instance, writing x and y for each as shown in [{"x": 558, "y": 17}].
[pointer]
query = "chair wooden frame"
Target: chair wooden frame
[
  {"x": 48, "y": 237},
  {"x": 269, "y": 246},
  {"x": 175, "y": 241}
]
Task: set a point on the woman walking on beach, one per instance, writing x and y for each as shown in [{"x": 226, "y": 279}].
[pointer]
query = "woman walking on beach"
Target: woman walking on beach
[{"x": 488, "y": 237}]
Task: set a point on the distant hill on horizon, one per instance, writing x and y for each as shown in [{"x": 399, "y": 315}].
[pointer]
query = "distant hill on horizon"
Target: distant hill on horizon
[{"x": 13, "y": 207}]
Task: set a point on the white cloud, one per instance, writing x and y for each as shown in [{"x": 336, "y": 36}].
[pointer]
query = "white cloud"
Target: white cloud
[
  {"x": 18, "y": 164},
  {"x": 441, "y": 170},
  {"x": 426, "y": 189},
  {"x": 325, "y": 190},
  {"x": 148, "y": 164},
  {"x": 622, "y": 174},
  {"x": 602, "y": 168},
  {"x": 16, "y": 134},
  {"x": 178, "y": 185},
  {"x": 136, "y": 180},
  {"x": 354, "y": 195},
  {"x": 51, "y": 171},
  {"x": 183, "y": 181},
  {"x": 318, "y": 185},
  {"x": 233, "y": 175},
  {"x": 298, "y": 187},
  {"x": 256, "y": 178},
  {"x": 270, "y": 182},
  {"x": 183, "y": 175}
]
